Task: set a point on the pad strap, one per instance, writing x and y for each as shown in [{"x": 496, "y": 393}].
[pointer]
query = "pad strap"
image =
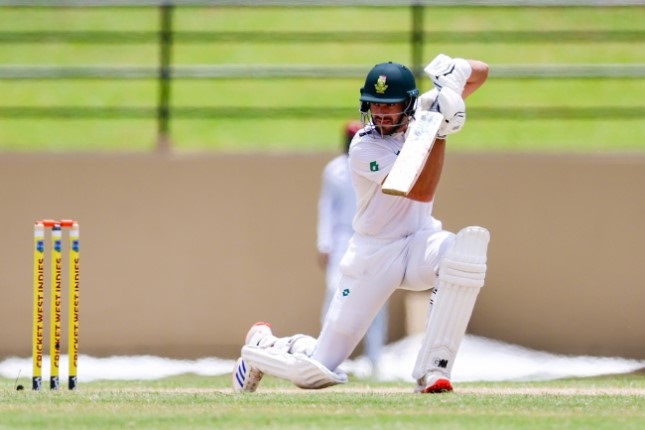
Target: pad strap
[{"x": 463, "y": 273}]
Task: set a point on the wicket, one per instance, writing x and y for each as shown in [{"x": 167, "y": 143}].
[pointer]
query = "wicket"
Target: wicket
[{"x": 56, "y": 291}]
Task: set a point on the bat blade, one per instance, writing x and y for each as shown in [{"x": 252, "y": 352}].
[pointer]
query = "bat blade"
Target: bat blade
[{"x": 414, "y": 153}]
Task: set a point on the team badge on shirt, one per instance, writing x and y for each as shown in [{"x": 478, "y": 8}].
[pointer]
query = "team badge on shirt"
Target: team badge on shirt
[
  {"x": 380, "y": 86},
  {"x": 373, "y": 166}
]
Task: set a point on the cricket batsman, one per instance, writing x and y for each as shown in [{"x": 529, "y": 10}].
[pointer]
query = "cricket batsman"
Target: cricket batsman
[{"x": 397, "y": 243}]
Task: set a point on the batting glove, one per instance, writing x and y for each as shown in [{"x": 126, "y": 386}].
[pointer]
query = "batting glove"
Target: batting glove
[
  {"x": 447, "y": 72},
  {"x": 449, "y": 104}
]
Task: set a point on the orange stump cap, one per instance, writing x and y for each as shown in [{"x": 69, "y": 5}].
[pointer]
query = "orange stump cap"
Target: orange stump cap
[{"x": 53, "y": 222}]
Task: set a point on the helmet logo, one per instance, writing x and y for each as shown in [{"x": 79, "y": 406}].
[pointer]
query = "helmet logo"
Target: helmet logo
[{"x": 380, "y": 85}]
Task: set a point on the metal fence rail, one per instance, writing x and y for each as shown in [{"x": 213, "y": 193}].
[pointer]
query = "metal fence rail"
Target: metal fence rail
[
  {"x": 166, "y": 37},
  {"x": 321, "y": 3},
  {"x": 304, "y": 72},
  {"x": 131, "y": 37},
  {"x": 304, "y": 112}
]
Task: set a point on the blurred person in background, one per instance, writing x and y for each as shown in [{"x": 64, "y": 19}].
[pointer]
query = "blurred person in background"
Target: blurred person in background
[{"x": 336, "y": 210}]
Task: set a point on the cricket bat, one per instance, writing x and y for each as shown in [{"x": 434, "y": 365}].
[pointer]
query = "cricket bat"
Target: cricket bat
[{"x": 413, "y": 155}]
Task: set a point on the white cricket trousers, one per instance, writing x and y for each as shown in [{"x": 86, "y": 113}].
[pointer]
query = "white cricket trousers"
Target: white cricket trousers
[{"x": 372, "y": 270}]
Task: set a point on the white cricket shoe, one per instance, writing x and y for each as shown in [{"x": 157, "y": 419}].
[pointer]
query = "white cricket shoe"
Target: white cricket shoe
[
  {"x": 245, "y": 377},
  {"x": 433, "y": 384}
]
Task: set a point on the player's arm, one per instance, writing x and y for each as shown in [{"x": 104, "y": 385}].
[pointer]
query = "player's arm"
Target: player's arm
[
  {"x": 325, "y": 214},
  {"x": 466, "y": 78},
  {"x": 452, "y": 106},
  {"x": 478, "y": 75},
  {"x": 426, "y": 185}
]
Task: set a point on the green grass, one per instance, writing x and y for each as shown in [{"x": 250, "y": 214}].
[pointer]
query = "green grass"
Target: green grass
[
  {"x": 579, "y": 115},
  {"x": 193, "y": 402}
]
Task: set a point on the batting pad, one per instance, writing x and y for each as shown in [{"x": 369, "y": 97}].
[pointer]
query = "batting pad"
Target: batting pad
[
  {"x": 303, "y": 371},
  {"x": 413, "y": 156},
  {"x": 461, "y": 276}
]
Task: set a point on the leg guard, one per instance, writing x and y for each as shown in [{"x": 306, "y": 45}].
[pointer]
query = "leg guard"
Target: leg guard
[
  {"x": 296, "y": 367},
  {"x": 461, "y": 276}
]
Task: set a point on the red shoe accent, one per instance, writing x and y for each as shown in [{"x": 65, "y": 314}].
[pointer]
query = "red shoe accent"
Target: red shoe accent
[{"x": 440, "y": 386}]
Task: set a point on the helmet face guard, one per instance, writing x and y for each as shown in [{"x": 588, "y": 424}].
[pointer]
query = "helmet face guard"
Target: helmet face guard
[{"x": 389, "y": 83}]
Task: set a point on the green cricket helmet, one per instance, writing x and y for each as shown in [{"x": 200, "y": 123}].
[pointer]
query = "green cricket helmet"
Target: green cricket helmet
[{"x": 389, "y": 83}]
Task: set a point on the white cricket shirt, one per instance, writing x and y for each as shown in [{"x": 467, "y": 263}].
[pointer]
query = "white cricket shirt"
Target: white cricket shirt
[{"x": 379, "y": 215}]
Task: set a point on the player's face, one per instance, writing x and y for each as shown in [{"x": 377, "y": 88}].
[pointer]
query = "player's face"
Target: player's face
[{"x": 387, "y": 117}]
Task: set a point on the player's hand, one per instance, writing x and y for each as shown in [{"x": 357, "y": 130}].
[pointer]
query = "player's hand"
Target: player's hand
[
  {"x": 452, "y": 107},
  {"x": 427, "y": 101},
  {"x": 449, "y": 104},
  {"x": 453, "y": 125},
  {"x": 447, "y": 72},
  {"x": 323, "y": 259}
]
